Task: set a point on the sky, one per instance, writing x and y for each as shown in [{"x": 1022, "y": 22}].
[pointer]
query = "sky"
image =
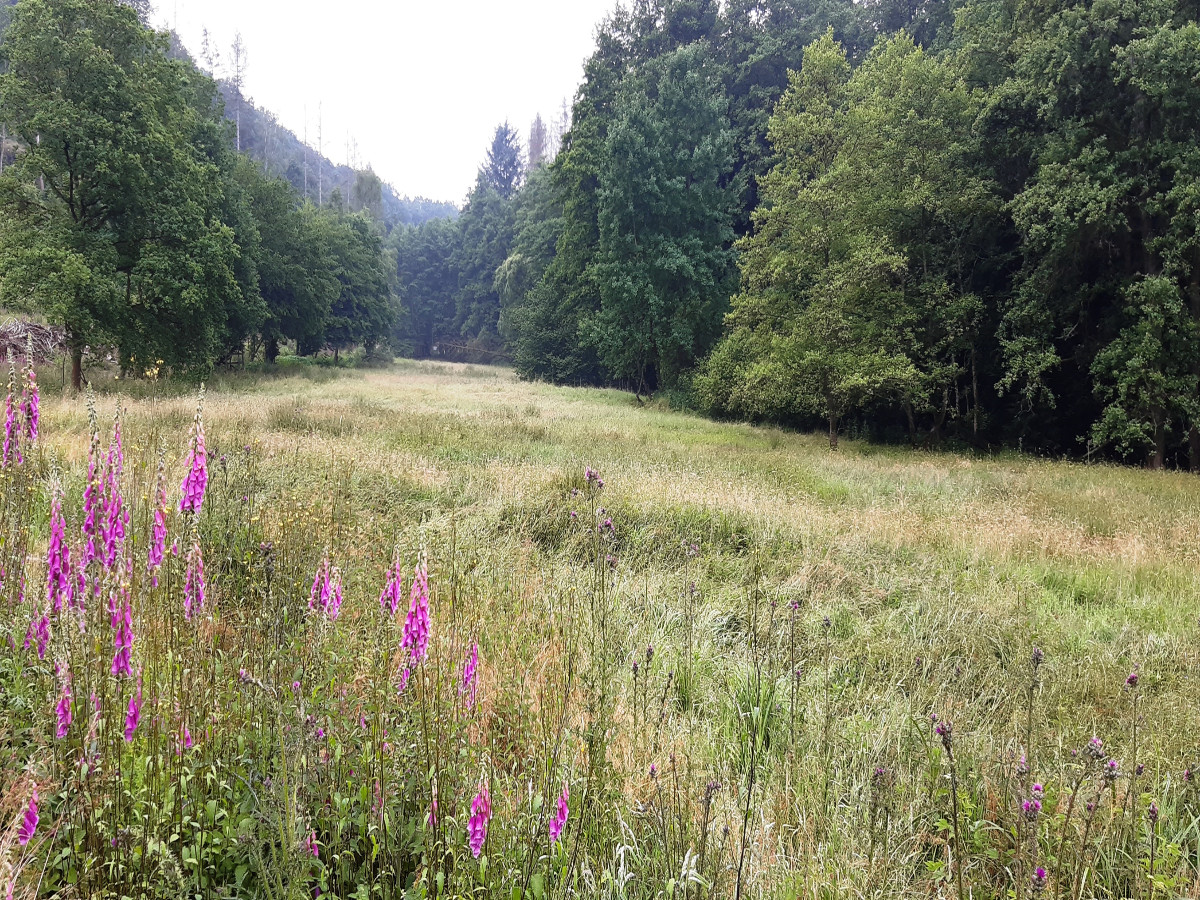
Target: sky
[{"x": 415, "y": 88}]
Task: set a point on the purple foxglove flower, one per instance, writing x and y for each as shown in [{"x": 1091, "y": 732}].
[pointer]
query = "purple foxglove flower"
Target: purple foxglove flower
[
  {"x": 416, "y": 625},
  {"x": 481, "y": 814},
  {"x": 194, "y": 588},
  {"x": 58, "y": 559},
  {"x": 38, "y": 634},
  {"x": 30, "y": 403},
  {"x": 158, "y": 533},
  {"x": 11, "y": 451},
  {"x": 311, "y": 845},
  {"x": 560, "y": 819},
  {"x": 404, "y": 676},
  {"x": 29, "y": 821},
  {"x": 389, "y": 600},
  {"x": 120, "y": 613},
  {"x": 133, "y": 715},
  {"x": 196, "y": 479},
  {"x": 470, "y": 676},
  {"x": 62, "y": 710}
]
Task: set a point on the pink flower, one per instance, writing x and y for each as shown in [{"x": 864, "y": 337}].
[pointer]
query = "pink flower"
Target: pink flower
[
  {"x": 193, "y": 580},
  {"x": 29, "y": 821},
  {"x": 120, "y": 613},
  {"x": 10, "y": 454},
  {"x": 470, "y": 676},
  {"x": 133, "y": 715},
  {"x": 311, "y": 845},
  {"x": 158, "y": 533},
  {"x": 58, "y": 559},
  {"x": 560, "y": 819},
  {"x": 38, "y": 633},
  {"x": 326, "y": 592},
  {"x": 62, "y": 710},
  {"x": 416, "y": 625},
  {"x": 404, "y": 676},
  {"x": 481, "y": 814},
  {"x": 115, "y": 520},
  {"x": 30, "y": 402},
  {"x": 389, "y": 600},
  {"x": 196, "y": 479}
]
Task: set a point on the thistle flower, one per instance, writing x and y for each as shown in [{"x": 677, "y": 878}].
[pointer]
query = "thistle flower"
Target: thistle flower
[
  {"x": 481, "y": 814},
  {"x": 945, "y": 730},
  {"x": 560, "y": 819},
  {"x": 29, "y": 821},
  {"x": 389, "y": 600},
  {"x": 1152, "y": 814},
  {"x": 158, "y": 533},
  {"x": 1039, "y": 880},
  {"x": 133, "y": 715},
  {"x": 1037, "y": 657},
  {"x": 1112, "y": 770},
  {"x": 62, "y": 710},
  {"x": 194, "y": 588},
  {"x": 1094, "y": 749},
  {"x": 196, "y": 479},
  {"x": 1032, "y": 809},
  {"x": 1132, "y": 681},
  {"x": 59, "y": 585},
  {"x": 470, "y": 676},
  {"x": 416, "y": 625}
]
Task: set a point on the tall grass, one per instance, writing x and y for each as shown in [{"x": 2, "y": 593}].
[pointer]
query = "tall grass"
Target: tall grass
[{"x": 664, "y": 657}]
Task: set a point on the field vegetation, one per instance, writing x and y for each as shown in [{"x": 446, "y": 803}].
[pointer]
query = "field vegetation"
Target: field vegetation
[{"x": 435, "y": 631}]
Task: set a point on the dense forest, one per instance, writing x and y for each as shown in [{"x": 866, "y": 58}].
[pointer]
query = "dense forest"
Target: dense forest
[
  {"x": 148, "y": 208},
  {"x": 917, "y": 219}
]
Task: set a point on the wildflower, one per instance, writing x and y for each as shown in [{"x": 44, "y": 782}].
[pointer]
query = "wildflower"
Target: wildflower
[
  {"x": 1132, "y": 681},
  {"x": 133, "y": 715},
  {"x": 29, "y": 399},
  {"x": 115, "y": 521},
  {"x": 945, "y": 730},
  {"x": 38, "y": 634},
  {"x": 58, "y": 558},
  {"x": 1039, "y": 880},
  {"x": 10, "y": 454},
  {"x": 120, "y": 613},
  {"x": 560, "y": 819},
  {"x": 1037, "y": 792},
  {"x": 1139, "y": 769},
  {"x": 481, "y": 813},
  {"x": 311, "y": 845},
  {"x": 431, "y": 819},
  {"x": 404, "y": 676},
  {"x": 1112, "y": 770},
  {"x": 653, "y": 772},
  {"x": 416, "y": 625},
  {"x": 1037, "y": 657},
  {"x": 62, "y": 709},
  {"x": 1152, "y": 813},
  {"x": 1094, "y": 749},
  {"x": 91, "y": 491},
  {"x": 1032, "y": 808},
  {"x": 334, "y": 606},
  {"x": 29, "y": 821},
  {"x": 470, "y": 676},
  {"x": 826, "y": 623},
  {"x": 196, "y": 479},
  {"x": 296, "y": 688},
  {"x": 194, "y": 588},
  {"x": 649, "y": 653},
  {"x": 389, "y": 600},
  {"x": 158, "y": 533},
  {"x": 186, "y": 738},
  {"x": 326, "y": 592}
]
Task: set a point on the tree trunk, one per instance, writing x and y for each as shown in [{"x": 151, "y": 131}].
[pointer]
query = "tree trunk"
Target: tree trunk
[
  {"x": 1158, "y": 456},
  {"x": 912, "y": 425},
  {"x": 271, "y": 350},
  {"x": 833, "y": 432},
  {"x": 77, "y": 368},
  {"x": 1194, "y": 449}
]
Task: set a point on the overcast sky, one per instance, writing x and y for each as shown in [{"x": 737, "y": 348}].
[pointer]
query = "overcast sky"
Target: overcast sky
[{"x": 418, "y": 84}]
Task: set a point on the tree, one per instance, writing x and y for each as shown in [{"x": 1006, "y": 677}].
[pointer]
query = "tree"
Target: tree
[
  {"x": 539, "y": 144},
  {"x": 367, "y": 195},
  {"x": 134, "y": 202},
  {"x": 503, "y": 169},
  {"x": 1147, "y": 374},
  {"x": 362, "y": 313},
  {"x": 426, "y": 284},
  {"x": 237, "y": 78},
  {"x": 664, "y": 265}
]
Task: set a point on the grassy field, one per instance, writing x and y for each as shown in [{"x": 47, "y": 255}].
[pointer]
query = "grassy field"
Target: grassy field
[{"x": 744, "y": 680}]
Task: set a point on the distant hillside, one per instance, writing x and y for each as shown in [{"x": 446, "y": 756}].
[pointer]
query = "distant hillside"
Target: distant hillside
[{"x": 283, "y": 153}]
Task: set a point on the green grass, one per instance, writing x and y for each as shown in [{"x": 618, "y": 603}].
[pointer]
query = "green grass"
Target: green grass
[{"x": 938, "y": 574}]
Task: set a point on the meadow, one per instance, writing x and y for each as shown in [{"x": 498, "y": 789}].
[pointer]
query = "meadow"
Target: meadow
[{"x": 430, "y": 630}]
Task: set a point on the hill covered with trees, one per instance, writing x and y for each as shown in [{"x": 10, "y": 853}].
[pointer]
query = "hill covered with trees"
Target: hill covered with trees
[
  {"x": 938, "y": 219},
  {"x": 129, "y": 217}
]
